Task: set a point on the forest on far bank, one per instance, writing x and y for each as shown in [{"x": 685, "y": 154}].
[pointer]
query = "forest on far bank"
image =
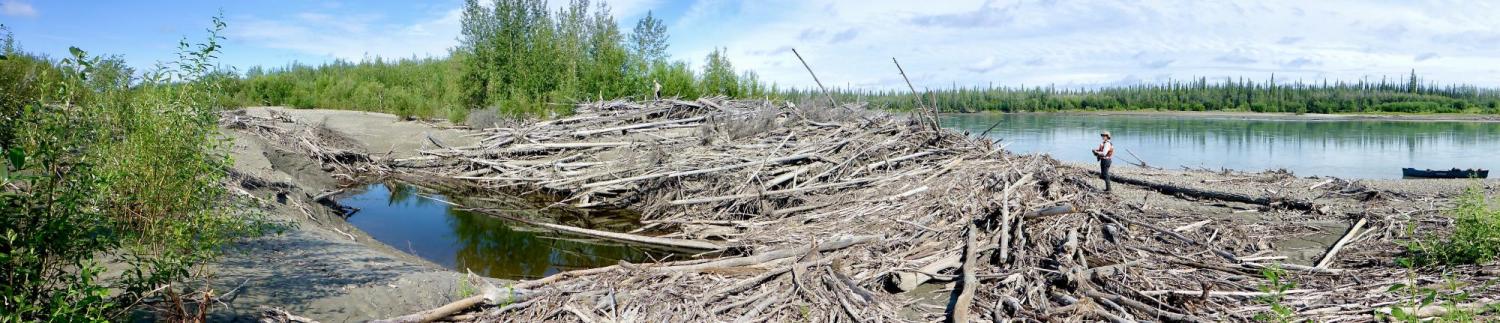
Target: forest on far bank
[{"x": 518, "y": 58}]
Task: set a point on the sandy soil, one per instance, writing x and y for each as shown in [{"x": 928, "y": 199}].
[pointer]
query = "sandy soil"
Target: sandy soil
[{"x": 314, "y": 268}]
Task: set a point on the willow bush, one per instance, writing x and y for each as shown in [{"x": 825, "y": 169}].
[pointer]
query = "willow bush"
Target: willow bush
[
  {"x": 103, "y": 170},
  {"x": 1475, "y": 238}
]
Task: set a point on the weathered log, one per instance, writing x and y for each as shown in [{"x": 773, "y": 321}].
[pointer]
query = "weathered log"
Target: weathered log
[
  {"x": 773, "y": 255},
  {"x": 694, "y": 245},
  {"x": 959, "y": 311},
  {"x": 1143, "y": 307},
  {"x": 877, "y": 165},
  {"x": 1215, "y": 195},
  {"x": 326, "y": 195},
  {"x": 1191, "y": 226},
  {"x": 586, "y": 133},
  {"x": 1051, "y": 211},
  {"x": 771, "y": 193},
  {"x": 699, "y": 171},
  {"x": 1294, "y": 267},
  {"x": 276, "y": 315},
  {"x": 1216, "y": 293},
  {"x": 566, "y": 145},
  {"x": 1333, "y": 251},
  {"x": 490, "y": 295}
]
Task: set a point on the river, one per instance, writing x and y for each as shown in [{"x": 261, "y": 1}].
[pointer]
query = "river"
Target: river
[{"x": 1347, "y": 148}]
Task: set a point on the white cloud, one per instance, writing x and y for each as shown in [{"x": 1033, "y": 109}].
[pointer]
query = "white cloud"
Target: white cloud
[
  {"x": 17, "y": 8},
  {"x": 1087, "y": 43},
  {"x": 626, "y": 12},
  {"x": 352, "y": 36}
]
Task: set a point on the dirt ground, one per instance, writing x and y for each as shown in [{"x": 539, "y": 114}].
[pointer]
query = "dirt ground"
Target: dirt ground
[{"x": 322, "y": 267}]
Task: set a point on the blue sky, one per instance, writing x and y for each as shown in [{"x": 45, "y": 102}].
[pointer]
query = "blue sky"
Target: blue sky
[{"x": 850, "y": 43}]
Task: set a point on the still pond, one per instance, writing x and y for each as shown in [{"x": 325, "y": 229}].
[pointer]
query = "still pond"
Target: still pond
[{"x": 411, "y": 219}]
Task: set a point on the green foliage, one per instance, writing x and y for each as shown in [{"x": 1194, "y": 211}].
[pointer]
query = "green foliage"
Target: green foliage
[
  {"x": 515, "y": 58},
  {"x": 99, "y": 167},
  {"x": 1475, "y": 238},
  {"x": 676, "y": 79},
  {"x": 22, "y": 80},
  {"x": 718, "y": 75},
  {"x": 466, "y": 289},
  {"x": 1276, "y": 288},
  {"x": 409, "y": 88},
  {"x": 649, "y": 39},
  {"x": 1413, "y": 107},
  {"x": 1419, "y": 297},
  {"x": 1194, "y": 95}
]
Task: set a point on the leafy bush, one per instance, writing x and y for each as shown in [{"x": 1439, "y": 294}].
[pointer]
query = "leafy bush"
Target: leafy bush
[
  {"x": 100, "y": 168},
  {"x": 1475, "y": 238}
]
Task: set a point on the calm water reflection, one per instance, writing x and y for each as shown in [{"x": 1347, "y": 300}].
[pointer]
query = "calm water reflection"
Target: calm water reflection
[
  {"x": 395, "y": 215},
  {"x": 1344, "y": 148}
]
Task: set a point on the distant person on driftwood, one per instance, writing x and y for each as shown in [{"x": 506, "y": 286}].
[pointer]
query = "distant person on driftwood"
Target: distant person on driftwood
[
  {"x": 1105, "y": 153},
  {"x": 656, "y": 90}
]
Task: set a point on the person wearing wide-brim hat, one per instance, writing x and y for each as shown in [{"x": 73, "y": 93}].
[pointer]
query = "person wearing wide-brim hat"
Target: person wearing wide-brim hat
[{"x": 1105, "y": 153}]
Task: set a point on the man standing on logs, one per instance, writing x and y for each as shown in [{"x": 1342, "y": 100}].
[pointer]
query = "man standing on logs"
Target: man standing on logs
[{"x": 1105, "y": 153}]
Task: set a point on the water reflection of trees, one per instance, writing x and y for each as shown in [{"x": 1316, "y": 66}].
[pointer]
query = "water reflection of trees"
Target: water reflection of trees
[
  {"x": 1236, "y": 132},
  {"x": 492, "y": 247}
]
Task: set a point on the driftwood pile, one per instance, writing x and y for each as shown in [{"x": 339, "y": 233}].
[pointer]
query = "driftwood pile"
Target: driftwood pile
[
  {"x": 334, "y": 153},
  {"x": 841, "y": 214}
]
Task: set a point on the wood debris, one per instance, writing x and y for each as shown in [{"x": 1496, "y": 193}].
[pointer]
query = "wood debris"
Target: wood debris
[{"x": 842, "y": 214}]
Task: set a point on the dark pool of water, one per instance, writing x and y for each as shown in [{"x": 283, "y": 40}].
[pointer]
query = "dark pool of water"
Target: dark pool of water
[
  {"x": 1343, "y": 148},
  {"x": 400, "y": 216}
]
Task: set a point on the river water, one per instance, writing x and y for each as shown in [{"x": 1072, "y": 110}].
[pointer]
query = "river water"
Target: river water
[
  {"x": 1375, "y": 149},
  {"x": 400, "y": 216}
]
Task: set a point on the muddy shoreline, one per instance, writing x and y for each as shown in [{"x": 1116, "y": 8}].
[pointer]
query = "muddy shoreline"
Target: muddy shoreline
[
  {"x": 317, "y": 270},
  {"x": 322, "y": 267}
]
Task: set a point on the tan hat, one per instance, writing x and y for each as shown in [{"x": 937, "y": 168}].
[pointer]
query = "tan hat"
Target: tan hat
[{"x": 1106, "y": 134}]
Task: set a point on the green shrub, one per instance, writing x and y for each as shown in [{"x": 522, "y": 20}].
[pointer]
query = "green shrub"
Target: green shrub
[
  {"x": 1475, "y": 238},
  {"x": 100, "y": 168},
  {"x": 1275, "y": 289}
]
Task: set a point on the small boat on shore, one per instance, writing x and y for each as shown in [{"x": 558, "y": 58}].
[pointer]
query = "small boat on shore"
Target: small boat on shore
[{"x": 1452, "y": 173}]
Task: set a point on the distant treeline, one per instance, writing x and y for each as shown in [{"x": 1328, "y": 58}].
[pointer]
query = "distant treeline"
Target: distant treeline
[
  {"x": 515, "y": 57},
  {"x": 1408, "y": 96}
]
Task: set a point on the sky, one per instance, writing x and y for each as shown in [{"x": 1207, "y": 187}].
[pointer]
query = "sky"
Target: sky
[{"x": 940, "y": 43}]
